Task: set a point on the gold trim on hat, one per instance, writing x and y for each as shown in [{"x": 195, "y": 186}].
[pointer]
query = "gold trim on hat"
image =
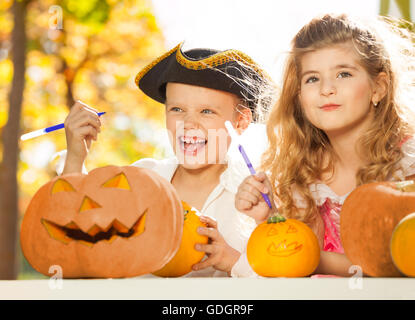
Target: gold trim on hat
[
  {"x": 213, "y": 61},
  {"x": 217, "y": 59},
  {"x": 152, "y": 64}
]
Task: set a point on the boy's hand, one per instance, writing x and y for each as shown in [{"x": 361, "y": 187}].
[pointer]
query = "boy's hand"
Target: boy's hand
[
  {"x": 221, "y": 256},
  {"x": 82, "y": 125},
  {"x": 249, "y": 200}
]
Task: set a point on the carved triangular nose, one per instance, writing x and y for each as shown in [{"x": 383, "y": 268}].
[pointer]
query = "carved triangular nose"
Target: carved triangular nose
[
  {"x": 88, "y": 204},
  {"x": 119, "y": 181}
]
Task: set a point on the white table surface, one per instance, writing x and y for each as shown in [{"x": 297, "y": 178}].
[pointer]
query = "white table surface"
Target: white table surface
[{"x": 211, "y": 289}]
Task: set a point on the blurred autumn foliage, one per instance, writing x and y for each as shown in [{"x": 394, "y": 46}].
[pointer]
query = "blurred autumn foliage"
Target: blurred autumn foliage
[{"x": 89, "y": 50}]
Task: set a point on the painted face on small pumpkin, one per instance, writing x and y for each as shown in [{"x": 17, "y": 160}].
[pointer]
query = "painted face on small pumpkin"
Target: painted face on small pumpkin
[
  {"x": 283, "y": 248},
  {"x": 113, "y": 222}
]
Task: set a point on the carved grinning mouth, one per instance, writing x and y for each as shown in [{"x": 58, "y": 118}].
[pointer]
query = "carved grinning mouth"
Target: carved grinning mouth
[
  {"x": 283, "y": 249},
  {"x": 71, "y": 231}
]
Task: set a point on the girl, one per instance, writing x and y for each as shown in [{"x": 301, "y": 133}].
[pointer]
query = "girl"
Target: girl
[
  {"x": 201, "y": 89},
  {"x": 343, "y": 118}
]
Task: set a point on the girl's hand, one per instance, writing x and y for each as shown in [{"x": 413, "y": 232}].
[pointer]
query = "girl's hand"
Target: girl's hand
[
  {"x": 221, "y": 256},
  {"x": 82, "y": 125},
  {"x": 249, "y": 200}
]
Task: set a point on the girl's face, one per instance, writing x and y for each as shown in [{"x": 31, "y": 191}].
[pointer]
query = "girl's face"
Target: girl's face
[
  {"x": 336, "y": 91},
  {"x": 195, "y": 120}
]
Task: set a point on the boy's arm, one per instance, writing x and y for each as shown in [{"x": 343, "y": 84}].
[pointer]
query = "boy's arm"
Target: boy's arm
[
  {"x": 62, "y": 163},
  {"x": 72, "y": 165}
]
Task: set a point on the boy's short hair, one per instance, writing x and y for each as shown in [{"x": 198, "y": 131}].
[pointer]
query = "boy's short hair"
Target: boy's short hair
[{"x": 230, "y": 71}]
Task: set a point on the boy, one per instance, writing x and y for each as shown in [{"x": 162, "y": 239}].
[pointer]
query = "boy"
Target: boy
[{"x": 201, "y": 89}]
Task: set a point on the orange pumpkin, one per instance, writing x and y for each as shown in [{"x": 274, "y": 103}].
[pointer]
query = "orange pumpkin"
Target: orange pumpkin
[
  {"x": 114, "y": 222},
  {"x": 187, "y": 255},
  {"x": 282, "y": 247},
  {"x": 367, "y": 220},
  {"x": 402, "y": 245}
]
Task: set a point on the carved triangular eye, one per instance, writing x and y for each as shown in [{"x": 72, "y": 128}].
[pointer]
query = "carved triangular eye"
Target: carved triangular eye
[
  {"x": 272, "y": 232},
  {"x": 292, "y": 229},
  {"x": 62, "y": 185},
  {"x": 119, "y": 181},
  {"x": 88, "y": 204}
]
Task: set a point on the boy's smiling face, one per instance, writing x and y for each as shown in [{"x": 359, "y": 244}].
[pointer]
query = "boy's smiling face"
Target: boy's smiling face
[{"x": 195, "y": 120}]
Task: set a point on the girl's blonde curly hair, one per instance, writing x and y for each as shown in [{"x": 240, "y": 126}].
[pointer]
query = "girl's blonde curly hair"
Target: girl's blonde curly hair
[{"x": 296, "y": 148}]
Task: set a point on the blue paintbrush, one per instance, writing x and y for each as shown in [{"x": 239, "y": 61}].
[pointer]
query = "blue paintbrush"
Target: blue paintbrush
[{"x": 41, "y": 132}]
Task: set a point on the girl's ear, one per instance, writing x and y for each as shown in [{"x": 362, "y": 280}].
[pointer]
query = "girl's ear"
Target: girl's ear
[
  {"x": 243, "y": 118},
  {"x": 381, "y": 86}
]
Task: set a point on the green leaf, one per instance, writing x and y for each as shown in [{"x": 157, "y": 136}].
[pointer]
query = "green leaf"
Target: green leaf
[
  {"x": 384, "y": 7},
  {"x": 404, "y": 8},
  {"x": 88, "y": 11}
]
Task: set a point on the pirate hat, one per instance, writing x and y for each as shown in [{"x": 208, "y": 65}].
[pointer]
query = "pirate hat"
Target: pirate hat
[{"x": 230, "y": 70}]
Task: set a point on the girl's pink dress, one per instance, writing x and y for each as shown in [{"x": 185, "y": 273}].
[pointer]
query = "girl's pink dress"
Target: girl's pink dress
[{"x": 330, "y": 212}]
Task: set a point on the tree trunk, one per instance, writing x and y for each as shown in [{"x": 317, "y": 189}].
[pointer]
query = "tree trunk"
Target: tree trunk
[
  {"x": 8, "y": 168},
  {"x": 69, "y": 78},
  {"x": 70, "y": 73}
]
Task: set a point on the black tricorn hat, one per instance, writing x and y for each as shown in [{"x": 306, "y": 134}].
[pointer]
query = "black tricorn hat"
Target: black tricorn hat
[{"x": 230, "y": 70}]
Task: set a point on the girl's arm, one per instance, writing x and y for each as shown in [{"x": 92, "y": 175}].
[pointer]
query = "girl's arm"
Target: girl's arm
[{"x": 333, "y": 263}]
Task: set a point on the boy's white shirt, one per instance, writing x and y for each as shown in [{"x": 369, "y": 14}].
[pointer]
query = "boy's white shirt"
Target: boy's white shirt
[{"x": 234, "y": 226}]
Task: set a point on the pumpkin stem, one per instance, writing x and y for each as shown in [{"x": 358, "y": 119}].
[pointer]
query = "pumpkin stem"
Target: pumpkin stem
[
  {"x": 276, "y": 219},
  {"x": 405, "y": 186}
]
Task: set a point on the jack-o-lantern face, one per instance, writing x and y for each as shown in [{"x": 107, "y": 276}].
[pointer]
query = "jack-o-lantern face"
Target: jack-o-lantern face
[
  {"x": 286, "y": 247},
  {"x": 283, "y": 248},
  {"x": 106, "y": 230},
  {"x": 113, "y": 222}
]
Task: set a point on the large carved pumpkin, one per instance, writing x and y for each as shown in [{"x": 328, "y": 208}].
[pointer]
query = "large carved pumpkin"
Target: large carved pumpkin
[
  {"x": 282, "y": 247},
  {"x": 402, "y": 245},
  {"x": 367, "y": 220},
  {"x": 113, "y": 222},
  {"x": 187, "y": 255}
]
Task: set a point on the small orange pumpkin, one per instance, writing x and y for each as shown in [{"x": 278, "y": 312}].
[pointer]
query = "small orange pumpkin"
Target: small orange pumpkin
[
  {"x": 187, "y": 255},
  {"x": 367, "y": 220},
  {"x": 282, "y": 247},
  {"x": 402, "y": 245},
  {"x": 114, "y": 222}
]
